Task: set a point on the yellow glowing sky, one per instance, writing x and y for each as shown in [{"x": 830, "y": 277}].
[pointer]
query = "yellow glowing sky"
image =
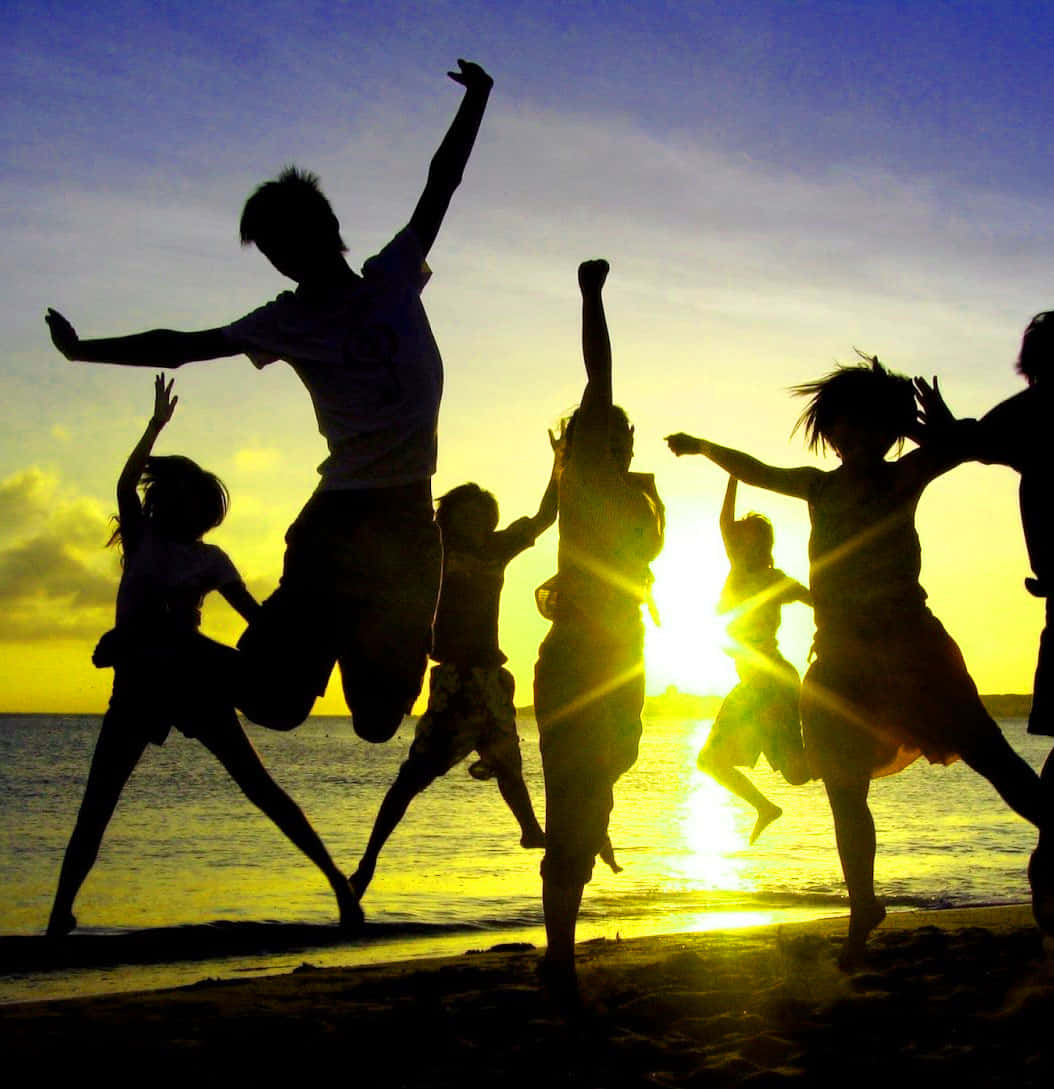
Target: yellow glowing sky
[{"x": 759, "y": 226}]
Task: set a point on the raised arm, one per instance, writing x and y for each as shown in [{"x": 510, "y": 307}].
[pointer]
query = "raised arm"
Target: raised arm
[
  {"x": 129, "y": 509},
  {"x": 157, "y": 348},
  {"x": 591, "y": 437},
  {"x": 448, "y": 163},
  {"x": 794, "y": 482},
  {"x": 728, "y": 513},
  {"x": 547, "y": 507}
]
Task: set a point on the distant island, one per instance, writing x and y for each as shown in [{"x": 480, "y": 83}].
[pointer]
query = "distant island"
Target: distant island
[{"x": 673, "y": 703}]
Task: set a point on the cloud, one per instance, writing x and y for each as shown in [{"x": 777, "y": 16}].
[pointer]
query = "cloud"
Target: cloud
[
  {"x": 56, "y": 579},
  {"x": 258, "y": 459}
]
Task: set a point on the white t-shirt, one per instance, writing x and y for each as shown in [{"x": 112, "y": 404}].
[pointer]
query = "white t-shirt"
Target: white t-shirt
[
  {"x": 366, "y": 354},
  {"x": 165, "y": 581}
]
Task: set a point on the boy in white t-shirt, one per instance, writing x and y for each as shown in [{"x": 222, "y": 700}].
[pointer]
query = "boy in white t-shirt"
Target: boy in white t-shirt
[{"x": 361, "y": 570}]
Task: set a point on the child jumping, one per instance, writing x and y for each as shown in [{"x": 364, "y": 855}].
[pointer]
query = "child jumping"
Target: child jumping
[
  {"x": 470, "y": 704},
  {"x": 888, "y": 683},
  {"x": 759, "y": 715},
  {"x": 166, "y": 673}
]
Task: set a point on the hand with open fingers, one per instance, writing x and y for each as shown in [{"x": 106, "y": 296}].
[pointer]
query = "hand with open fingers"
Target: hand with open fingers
[{"x": 164, "y": 402}]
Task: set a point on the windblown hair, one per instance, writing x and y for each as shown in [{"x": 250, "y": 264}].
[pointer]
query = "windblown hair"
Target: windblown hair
[
  {"x": 465, "y": 493},
  {"x": 180, "y": 498},
  {"x": 864, "y": 394},
  {"x": 1037, "y": 346},
  {"x": 290, "y": 203},
  {"x": 752, "y": 535}
]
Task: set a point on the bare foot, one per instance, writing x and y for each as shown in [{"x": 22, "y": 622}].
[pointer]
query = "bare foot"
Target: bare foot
[
  {"x": 534, "y": 838},
  {"x": 861, "y": 922},
  {"x": 1041, "y": 878},
  {"x": 61, "y": 923},
  {"x": 607, "y": 854},
  {"x": 765, "y": 818},
  {"x": 351, "y": 916},
  {"x": 360, "y": 879}
]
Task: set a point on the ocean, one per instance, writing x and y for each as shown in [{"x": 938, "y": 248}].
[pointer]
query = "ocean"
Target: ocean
[{"x": 193, "y": 882}]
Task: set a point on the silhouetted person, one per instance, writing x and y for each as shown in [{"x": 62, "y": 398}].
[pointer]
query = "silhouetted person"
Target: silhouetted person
[
  {"x": 759, "y": 715},
  {"x": 1018, "y": 433},
  {"x": 470, "y": 705},
  {"x": 589, "y": 678},
  {"x": 362, "y": 562},
  {"x": 166, "y": 673},
  {"x": 888, "y": 683}
]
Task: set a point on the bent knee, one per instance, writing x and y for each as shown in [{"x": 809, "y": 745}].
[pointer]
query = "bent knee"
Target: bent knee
[{"x": 376, "y": 724}]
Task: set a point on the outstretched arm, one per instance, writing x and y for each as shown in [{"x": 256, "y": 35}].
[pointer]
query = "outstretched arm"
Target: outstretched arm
[
  {"x": 448, "y": 163},
  {"x": 794, "y": 482},
  {"x": 728, "y": 513},
  {"x": 129, "y": 509},
  {"x": 157, "y": 348}
]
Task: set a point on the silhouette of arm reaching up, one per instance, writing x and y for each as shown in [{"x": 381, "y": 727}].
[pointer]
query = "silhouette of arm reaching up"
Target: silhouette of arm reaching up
[
  {"x": 157, "y": 348},
  {"x": 448, "y": 163},
  {"x": 129, "y": 508},
  {"x": 794, "y": 482},
  {"x": 728, "y": 514},
  {"x": 591, "y": 437}
]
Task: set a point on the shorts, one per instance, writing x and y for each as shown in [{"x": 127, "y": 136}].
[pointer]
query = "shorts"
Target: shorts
[
  {"x": 871, "y": 706},
  {"x": 588, "y": 698},
  {"x": 186, "y": 685},
  {"x": 759, "y": 715},
  {"x": 469, "y": 709},
  {"x": 358, "y": 587}
]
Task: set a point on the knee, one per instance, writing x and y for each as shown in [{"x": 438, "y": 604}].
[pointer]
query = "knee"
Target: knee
[
  {"x": 375, "y": 723},
  {"x": 276, "y": 712}
]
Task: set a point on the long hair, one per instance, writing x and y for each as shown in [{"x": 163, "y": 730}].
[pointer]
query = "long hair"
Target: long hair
[
  {"x": 180, "y": 498},
  {"x": 864, "y": 394}
]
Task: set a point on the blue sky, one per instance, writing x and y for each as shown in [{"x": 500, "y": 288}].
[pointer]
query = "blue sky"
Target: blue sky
[{"x": 773, "y": 182}]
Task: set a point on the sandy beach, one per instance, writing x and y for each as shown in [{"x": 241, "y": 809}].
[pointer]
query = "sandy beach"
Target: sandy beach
[{"x": 959, "y": 997}]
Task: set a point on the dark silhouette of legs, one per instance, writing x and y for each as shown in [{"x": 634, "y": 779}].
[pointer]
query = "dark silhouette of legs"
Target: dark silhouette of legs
[
  {"x": 736, "y": 782},
  {"x": 227, "y": 741},
  {"x": 413, "y": 778},
  {"x": 514, "y": 791},
  {"x": 854, "y": 831},
  {"x": 117, "y": 751}
]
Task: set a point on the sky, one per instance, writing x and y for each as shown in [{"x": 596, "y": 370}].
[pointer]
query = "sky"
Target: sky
[{"x": 775, "y": 184}]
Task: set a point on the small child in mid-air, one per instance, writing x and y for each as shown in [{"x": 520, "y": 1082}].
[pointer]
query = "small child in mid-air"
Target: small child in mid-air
[
  {"x": 166, "y": 673},
  {"x": 759, "y": 715},
  {"x": 470, "y": 703}
]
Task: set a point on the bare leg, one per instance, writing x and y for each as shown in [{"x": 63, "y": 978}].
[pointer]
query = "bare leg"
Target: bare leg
[
  {"x": 413, "y": 777},
  {"x": 560, "y": 904},
  {"x": 606, "y": 854},
  {"x": 117, "y": 751},
  {"x": 514, "y": 791},
  {"x": 1041, "y": 865},
  {"x": 226, "y": 740},
  {"x": 854, "y": 830},
  {"x": 736, "y": 782},
  {"x": 1017, "y": 784}
]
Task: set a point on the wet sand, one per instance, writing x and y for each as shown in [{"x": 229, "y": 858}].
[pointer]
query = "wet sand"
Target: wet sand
[{"x": 961, "y": 997}]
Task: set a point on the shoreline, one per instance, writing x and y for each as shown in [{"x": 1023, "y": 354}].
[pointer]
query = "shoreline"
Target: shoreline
[{"x": 966, "y": 992}]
